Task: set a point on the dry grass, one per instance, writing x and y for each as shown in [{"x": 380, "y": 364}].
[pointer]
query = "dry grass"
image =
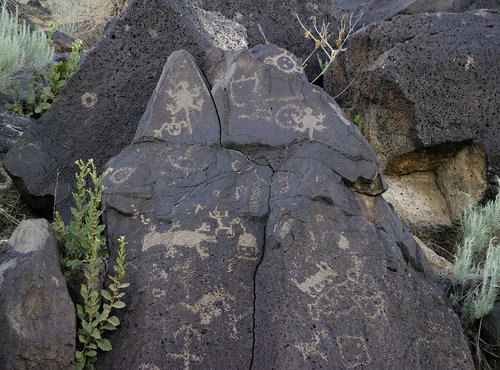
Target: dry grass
[
  {"x": 85, "y": 19},
  {"x": 12, "y": 211}
]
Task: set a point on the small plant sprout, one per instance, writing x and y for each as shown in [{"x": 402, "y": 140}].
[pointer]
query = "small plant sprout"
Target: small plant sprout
[{"x": 320, "y": 36}]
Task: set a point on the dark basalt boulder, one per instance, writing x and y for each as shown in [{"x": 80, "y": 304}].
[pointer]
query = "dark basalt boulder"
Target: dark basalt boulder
[
  {"x": 257, "y": 236},
  {"x": 383, "y": 10},
  {"x": 278, "y": 22},
  {"x": 37, "y": 317},
  {"x": 97, "y": 113},
  {"x": 424, "y": 83}
]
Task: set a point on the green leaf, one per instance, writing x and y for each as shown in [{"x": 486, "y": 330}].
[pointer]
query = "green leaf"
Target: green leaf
[
  {"x": 119, "y": 304},
  {"x": 78, "y": 355},
  {"x": 124, "y": 285},
  {"x": 96, "y": 334},
  {"x": 113, "y": 320},
  {"x": 109, "y": 327},
  {"x": 81, "y": 338},
  {"x": 104, "y": 344},
  {"x": 106, "y": 294},
  {"x": 80, "y": 363},
  {"x": 61, "y": 84},
  {"x": 83, "y": 292},
  {"x": 91, "y": 353},
  {"x": 79, "y": 310}
]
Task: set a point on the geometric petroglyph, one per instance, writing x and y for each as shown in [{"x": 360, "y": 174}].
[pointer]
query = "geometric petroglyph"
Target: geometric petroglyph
[
  {"x": 189, "y": 333},
  {"x": 314, "y": 284},
  {"x": 181, "y": 101},
  {"x": 300, "y": 119},
  {"x": 89, "y": 99},
  {"x": 121, "y": 175},
  {"x": 211, "y": 305},
  {"x": 357, "y": 293},
  {"x": 285, "y": 62},
  {"x": 353, "y": 351}
]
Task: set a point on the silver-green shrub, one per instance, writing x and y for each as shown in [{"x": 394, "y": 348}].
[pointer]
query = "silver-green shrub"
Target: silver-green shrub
[
  {"x": 20, "y": 49},
  {"x": 476, "y": 274}
]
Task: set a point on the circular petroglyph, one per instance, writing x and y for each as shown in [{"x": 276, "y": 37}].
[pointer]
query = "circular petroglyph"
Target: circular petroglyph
[
  {"x": 121, "y": 175},
  {"x": 285, "y": 62},
  {"x": 89, "y": 100}
]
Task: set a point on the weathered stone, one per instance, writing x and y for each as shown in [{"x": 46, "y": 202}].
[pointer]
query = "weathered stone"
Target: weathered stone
[
  {"x": 491, "y": 332},
  {"x": 12, "y": 127},
  {"x": 382, "y": 10},
  {"x": 97, "y": 113},
  {"x": 37, "y": 317},
  {"x": 423, "y": 81},
  {"x": 266, "y": 244},
  {"x": 278, "y": 22},
  {"x": 422, "y": 207}
]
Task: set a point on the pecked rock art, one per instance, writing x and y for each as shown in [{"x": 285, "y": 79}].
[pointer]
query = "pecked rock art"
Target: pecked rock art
[
  {"x": 97, "y": 114},
  {"x": 259, "y": 239}
]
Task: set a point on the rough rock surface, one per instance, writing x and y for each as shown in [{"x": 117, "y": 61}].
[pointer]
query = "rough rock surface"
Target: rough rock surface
[
  {"x": 256, "y": 233},
  {"x": 278, "y": 22},
  {"x": 382, "y": 10},
  {"x": 37, "y": 317},
  {"x": 97, "y": 113},
  {"x": 12, "y": 127},
  {"x": 425, "y": 80}
]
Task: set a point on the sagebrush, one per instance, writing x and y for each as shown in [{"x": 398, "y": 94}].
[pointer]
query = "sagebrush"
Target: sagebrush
[{"x": 21, "y": 50}]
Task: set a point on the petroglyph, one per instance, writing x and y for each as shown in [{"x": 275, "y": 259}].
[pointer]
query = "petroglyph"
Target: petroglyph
[
  {"x": 285, "y": 62},
  {"x": 313, "y": 285},
  {"x": 182, "y": 100},
  {"x": 211, "y": 305},
  {"x": 343, "y": 242},
  {"x": 286, "y": 226},
  {"x": 353, "y": 351},
  {"x": 300, "y": 119},
  {"x": 311, "y": 348},
  {"x": 357, "y": 293},
  {"x": 89, "y": 100},
  {"x": 121, "y": 175},
  {"x": 240, "y": 190},
  {"x": 187, "y": 334},
  {"x": 148, "y": 366},
  {"x": 173, "y": 238}
]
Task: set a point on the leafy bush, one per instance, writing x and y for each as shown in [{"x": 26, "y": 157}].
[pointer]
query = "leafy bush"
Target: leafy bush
[
  {"x": 476, "y": 274},
  {"x": 21, "y": 50},
  {"x": 83, "y": 244}
]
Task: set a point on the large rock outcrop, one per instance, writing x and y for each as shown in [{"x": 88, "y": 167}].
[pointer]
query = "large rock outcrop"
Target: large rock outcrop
[
  {"x": 427, "y": 97},
  {"x": 37, "y": 317},
  {"x": 422, "y": 81},
  {"x": 97, "y": 113},
  {"x": 257, "y": 236},
  {"x": 382, "y": 10}
]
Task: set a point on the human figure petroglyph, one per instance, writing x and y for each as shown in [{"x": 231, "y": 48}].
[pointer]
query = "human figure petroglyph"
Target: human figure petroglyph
[
  {"x": 211, "y": 305},
  {"x": 182, "y": 100},
  {"x": 186, "y": 333}
]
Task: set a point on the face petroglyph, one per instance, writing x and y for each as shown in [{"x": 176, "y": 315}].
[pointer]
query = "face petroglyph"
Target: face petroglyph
[{"x": 285, "y": 62}]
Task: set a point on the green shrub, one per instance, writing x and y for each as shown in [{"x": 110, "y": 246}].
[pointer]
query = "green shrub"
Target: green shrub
[
  {"x": 476, "y": 274},
  {"x": 21, "y": 49},
  {"x": 83, "y": 244}
]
